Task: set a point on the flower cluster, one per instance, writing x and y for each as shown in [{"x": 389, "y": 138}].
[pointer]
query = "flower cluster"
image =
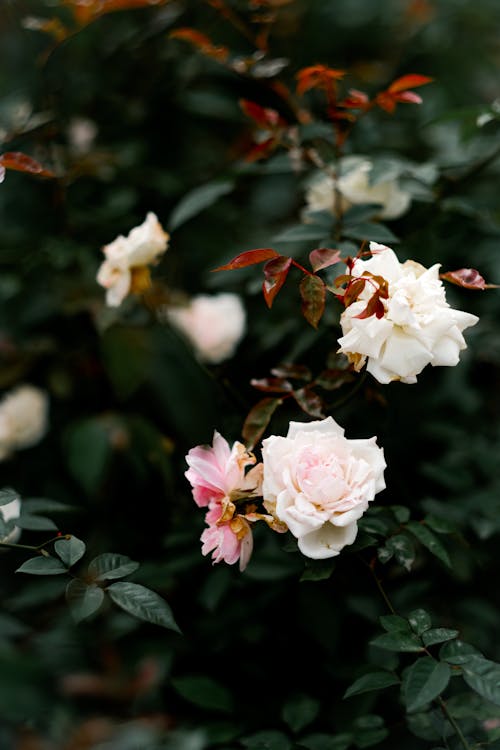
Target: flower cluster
[
  {"x": 315, "y": 483},
  {"x": 126, "y": 265},
  {"x": 23, "y": 419}
]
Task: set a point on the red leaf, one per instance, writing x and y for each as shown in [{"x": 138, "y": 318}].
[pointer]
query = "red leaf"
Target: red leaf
[
  {"x": 201, "y": 42},
  {"x": 317, "y": 76},
  {"x": 310, "y": 402},
  {"x": 386, "y": 102},
  {"x": 353, "y": 291},
  {"x": 272, "y": 385},
  {"x": 20, "y": 162},
  {"x": 275, "y": 272},
  {"x": 408, "y": 97},
  {"x": 355, "y": 100},
  {"x": 468, "y": 278},
  {"x": 410, "y": 81},
  {"x": 323, "y": 257},
  {"x": 332, "y": 379},
  {"x": 375, "y": 307},
  {"x": 249, "y": 258},
  {"x": 257, "y": 420},
  {"x": 261, "y": 150},
  {"x": 313, "y": 293},
  {"x": 263, "y": 116}
]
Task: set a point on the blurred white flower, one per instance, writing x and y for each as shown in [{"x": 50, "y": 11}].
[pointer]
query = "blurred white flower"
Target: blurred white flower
[
  {"x": 353, "y": 186},
  {"x": 81, "y": 135},
  {"x": 10, "y": 512},
  {"x": 418, "y": 327},
  {"x": 214, "y": 325},
  {"x": 125, "y": 268},
  {"x": 2, "y": 174},
  {"x": 23, "y": 418}
]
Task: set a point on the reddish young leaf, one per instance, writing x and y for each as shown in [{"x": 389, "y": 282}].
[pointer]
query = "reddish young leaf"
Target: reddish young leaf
[
  {"x": 261, "y": 150},
  {"x": 355, "y": 100},
  {"x": 257, "y": 420},
  {"x": 310, "y": 402},
  {"x": 323, "y": 257},
  {"x": 263, "y": 116},
  {"x": 410, "y": 81},
  {"x": 468, "y": 278},
  {"x": 272, "y": 385},
  {"x": 313, "y": 294},
  {"x": 249, "y": 258},
  {"x": 299, "y": 372},
  {"x": 201, "y": 42},
  {"x": 317, "y": 76},
  {"x": 331, "y": 379},
  {"x": 275, "y": 273},
  {"x": 375, "y": 306},
  {"x": 353, "y": 291},
  {"x": 20, "y": 162}
]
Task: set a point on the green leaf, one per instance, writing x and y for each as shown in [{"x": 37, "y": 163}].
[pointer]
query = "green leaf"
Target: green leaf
[
  {"x": 299, "y": 711},
  {"x": 267, "y": 740},
  {"x": 204, "y": 692},
  {"x": 197, "y": 200},
  {"x": 420, "y": 621},
  {"x": 369, "y": 730},
  {"x": 370, "y": 230},
  {"x": 45, "y": 505},
  {"x": 483, "y": 676},
  {"x": 110, "y": 566},
  {"x": 127, "y": 355},
  {"x": 320, "y": 741},
  {"x": 42, "y": 566},
  {"x": 458, "y": 652},
  {"x": 70, "y": 550},
  {"x": 142, "y": 603},
  {"x": 313, "y": 295},
  {"x": 440, "y": 525},
  {"x": 35, "y": 523},
  {"x": 401, "y": 513},
  {"x": 83, "y": 600},
  {"x": 318, "y": 570},
  {"x": 427, "y": 537},
  {"x": 8, "y": 495},
  {"x": 302, "y": 232},
  {"x": 424, "y": 681},
  {"x": 395, "y": 624},
  {"x": 371, "y": 681},
  {"x": 438, "y": 635},
  {"x": 403, "y": 550},
  {"x": 88, "y": 451},
  {"x": 398, "y": 642}
]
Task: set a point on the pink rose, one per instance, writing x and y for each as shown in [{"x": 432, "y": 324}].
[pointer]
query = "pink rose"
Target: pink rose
[
  {"x": 320, "y": 483},
  {"x": 229, "y": 541}
]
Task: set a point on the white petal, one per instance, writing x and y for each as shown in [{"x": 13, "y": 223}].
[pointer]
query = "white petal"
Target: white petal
[{"x": 327, "y": 541}]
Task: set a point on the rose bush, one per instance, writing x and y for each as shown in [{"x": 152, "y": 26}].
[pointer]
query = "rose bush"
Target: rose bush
[
  {"x": 418, "y": 326},
  {"x": 320, "y": 483}
]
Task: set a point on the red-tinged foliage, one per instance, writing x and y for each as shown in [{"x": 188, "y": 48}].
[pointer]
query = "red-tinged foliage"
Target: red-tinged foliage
[
  {"x": 202, "y": 42},
  {"x": 313, "y": 294},
  {"x": 52, "y": 26},
  {"x": 468, "y": 278},
  {"x": 249, "y": 258},
  {"x": 317, "y": 76},
  {"x": 275, "y": 273},
  {"x": 323, "y": 257},
  {"x": 399, "y": 91},
  {"x": 262, "y": 150},
  {"x": 334, "y": 378},
  {"x": 299, "y": 372},
  {"x": 353, "y": 290},
  {"x": 272, "y": 385},
  {"x": 20, "y": 162},
  {"x": 264, "y": 117},
  {"x": 310, "y": 402},
  {"x": 257, "y": 420},
  {"x": 355, "y": 100},
  {"x": 85, "y": 11},
  {"x": 375, "y": 306}
]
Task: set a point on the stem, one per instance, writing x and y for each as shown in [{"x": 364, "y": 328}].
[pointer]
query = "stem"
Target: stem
[
  {"x": 30, "y": 547},
  {"x": 458, "y": 731},
  {"x": 381, "y": 589},
  {"x": 352, "y": 392},
  {"x": 301, "y": 268}
]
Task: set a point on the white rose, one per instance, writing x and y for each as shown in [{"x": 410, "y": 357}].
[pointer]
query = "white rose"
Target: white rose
[
  {"x": 23, "y": 418},
  {"x": 9, "y": 512},
  {"x": 353, "y": 186},
  {"x": 320, "y": 483},
  {"x": 418, "y": 328},
  {"x": 213, "y": 325},
  {"x": 127, "y": 258}
]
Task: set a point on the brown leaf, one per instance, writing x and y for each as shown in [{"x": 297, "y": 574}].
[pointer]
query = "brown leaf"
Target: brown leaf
[
  {"x": 258, "y": 419},
  {"x": 310, "y": 402},
  {"x": 468, "y": 278},
  {"x": 202, "y": 42},
  {"x": 20, "y": 162},
  {"x": 272, "y": 385},
  {"x": 313, "y": 294},
  {"x": 331, "y": 379},
  {"x": 299, "y": 372}
]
